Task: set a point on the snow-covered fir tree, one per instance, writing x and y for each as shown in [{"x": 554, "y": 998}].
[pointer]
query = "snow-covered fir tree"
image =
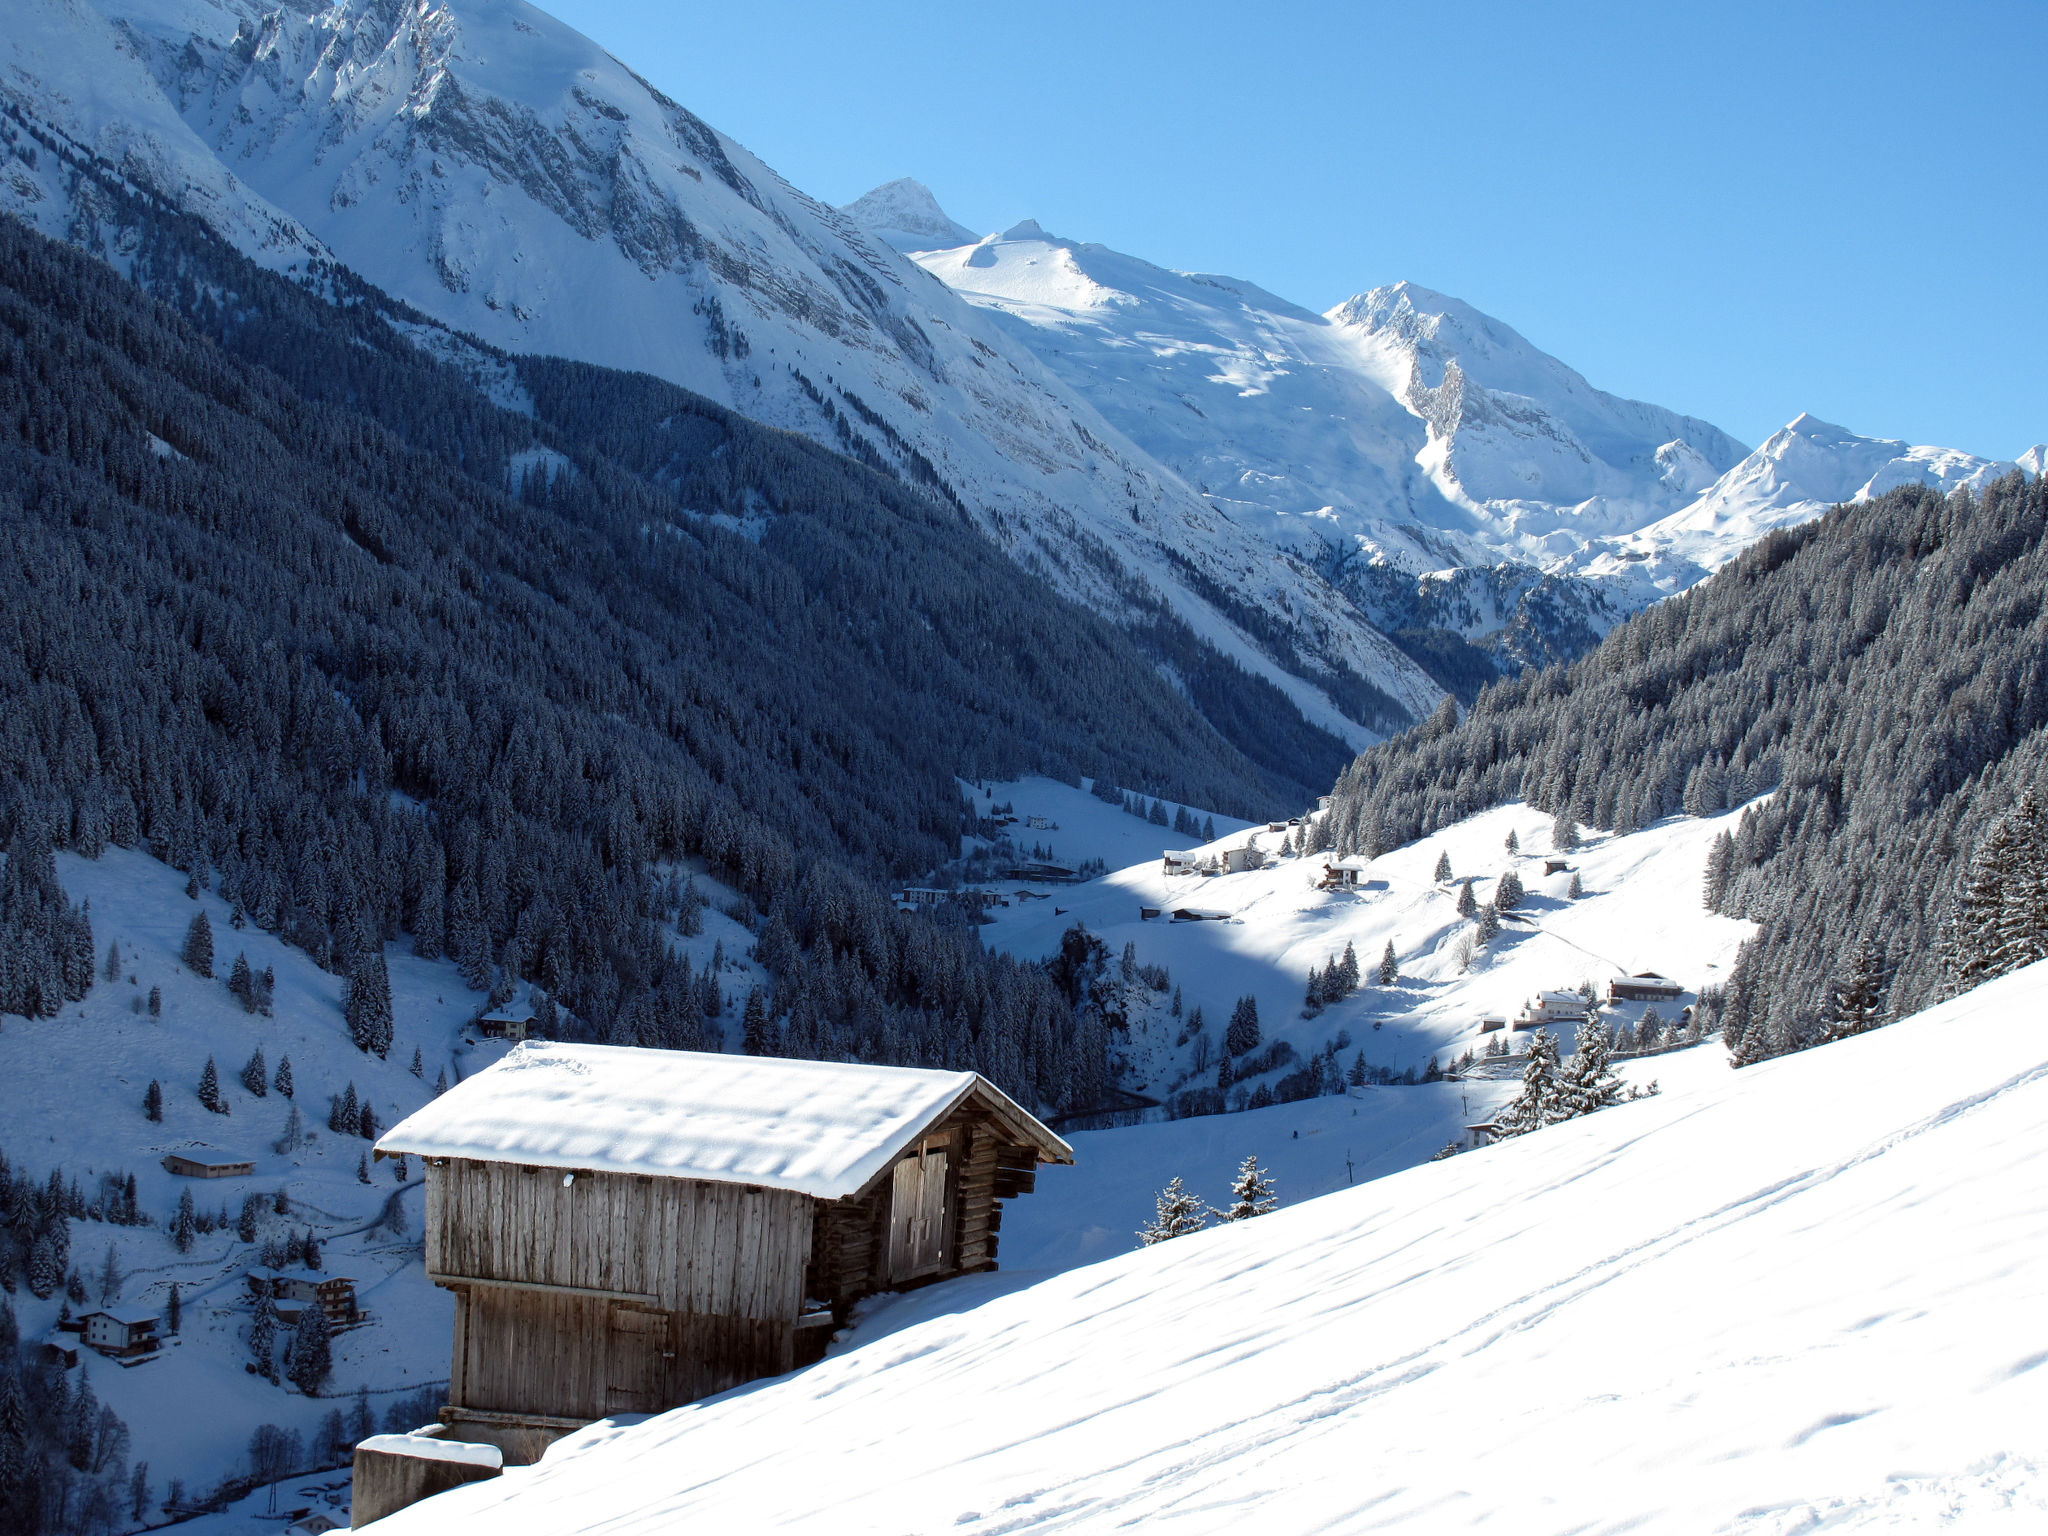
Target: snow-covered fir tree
[
  {"x": 1177, "y": 1214},
  {"x": 198, "y": 947},
  {"x": 1252, "y": 1193}
]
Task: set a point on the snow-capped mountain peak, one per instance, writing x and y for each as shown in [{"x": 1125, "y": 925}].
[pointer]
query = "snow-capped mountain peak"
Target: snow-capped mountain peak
[{"x": 904, "y": 213}]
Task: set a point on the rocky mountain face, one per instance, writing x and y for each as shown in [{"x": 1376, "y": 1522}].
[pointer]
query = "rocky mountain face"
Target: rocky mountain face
[
  {"x": 509, "y": 179},
  {"x": 1442, "y": 471}
]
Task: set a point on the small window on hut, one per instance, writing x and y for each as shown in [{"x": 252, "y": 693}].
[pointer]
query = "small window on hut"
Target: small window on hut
[{"x": 917, "y": 1215}]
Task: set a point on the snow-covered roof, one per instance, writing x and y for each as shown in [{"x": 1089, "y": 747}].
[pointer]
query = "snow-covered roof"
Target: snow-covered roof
[
  {"x": 822, "y": 1128},
  {"x": 127, "y": 1317}
]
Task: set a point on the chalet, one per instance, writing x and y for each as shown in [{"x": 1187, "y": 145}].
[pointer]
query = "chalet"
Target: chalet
[
  {"x": 1236, "y": 860},
  {"x": 1041, "y": 824},
  {"x": 1323, "y": 802},
  {"x": 1482, "y": 1135},
  {"x": 1345, "y": 874},
  {"x": 627, "y": 1230},
  {"x": 1199, "y": 915},
  {"x": 1644, "y": 987},
  {"x": 292, "y": 1291},
  {"x": 205, "y": 1163},
  {"x": 1177, "y": 863},
  {"x": 1278, "y": 826},
  {"x": 1549, "y": 1008},
  {"x": 122, "y": 1333},
  {"x": 508, "y": 1021}
]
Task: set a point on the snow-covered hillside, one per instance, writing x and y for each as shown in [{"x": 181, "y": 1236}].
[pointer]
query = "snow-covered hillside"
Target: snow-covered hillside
[
  {"x": 1638, "y": 910},
  {"x": 1789, "y": 1299},
  {"x": 491, "y": 166},
  {"x": 1427, "y": 457}
]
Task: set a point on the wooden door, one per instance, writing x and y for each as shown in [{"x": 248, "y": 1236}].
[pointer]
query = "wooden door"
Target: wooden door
[
  {"x": 636, "y": 1360},
  {"x": 917, "y": 1217}
]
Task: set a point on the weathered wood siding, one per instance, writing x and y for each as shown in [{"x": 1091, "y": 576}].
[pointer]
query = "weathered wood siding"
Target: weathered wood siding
[{"x": 719, "y": 1250}]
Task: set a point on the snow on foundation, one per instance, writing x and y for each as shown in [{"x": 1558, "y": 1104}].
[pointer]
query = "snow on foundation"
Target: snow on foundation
[{"x": 1802, "y": 1292}]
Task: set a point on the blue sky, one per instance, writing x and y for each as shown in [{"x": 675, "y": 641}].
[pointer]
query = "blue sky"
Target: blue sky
[{"x": 1737, "y": 211}]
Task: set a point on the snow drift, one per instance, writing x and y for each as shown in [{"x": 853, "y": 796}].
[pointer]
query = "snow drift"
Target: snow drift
[{"x": 1795, "y": 1294}]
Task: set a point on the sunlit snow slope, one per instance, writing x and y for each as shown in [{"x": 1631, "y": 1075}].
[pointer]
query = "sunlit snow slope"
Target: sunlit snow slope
[{"x": 1803, "y": 1293}]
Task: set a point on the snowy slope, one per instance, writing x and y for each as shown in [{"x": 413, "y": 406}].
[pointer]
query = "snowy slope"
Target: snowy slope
[
  {"x": 1798, "y": 1298},
  {"x": 489, "y": 165}
]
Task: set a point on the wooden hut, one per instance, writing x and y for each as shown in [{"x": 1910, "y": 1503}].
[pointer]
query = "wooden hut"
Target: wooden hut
[{"x": 628, "y": 1230}]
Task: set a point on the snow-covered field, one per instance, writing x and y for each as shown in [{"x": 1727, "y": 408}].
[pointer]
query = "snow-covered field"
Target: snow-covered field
[{"x": 1801, "y": 1297}]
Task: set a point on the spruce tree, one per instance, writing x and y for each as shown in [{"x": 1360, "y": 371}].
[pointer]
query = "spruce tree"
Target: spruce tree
[
  {"x": 156, "y": 999},
  {"x": 184, "y": 1225},
  {"x": 311, "y": 1353},
  {"x": 1564, "y": 832},
  {"x": 1347, "y": 969},
  {"x": 1857, "y": 1004},
  {"x": 198, "y": 950},
  {"x": 1443, "y": 867},
  {"x": 113, "y": 967},
  {"x": 242, "y": 983},
  {"x": 1489, "y": 925},
  {"x": 441, "y": 1082},
  {"x": 209, "y": 1089},
  {"x": 153, "y": 1101},
  {"x": 256, "y": 1074},
  {"x": 283, "y": 1081},
  {"x": 419, "y": 1067},
  {"x": 1534, "y": 1107},
  {"x": 368, "y": 1009},
  {"x": 1468, "y": 904},
  {"x": 347, "y": 1114},
  {"x": 755, "y": 1038},
  {"x": 1390, "y": 967},
  {"x": 1177, "y": 1214},
  {"x": 363, "y": 1169},
  {"x": 1587, "y": 1081},
  {"x": 263, "y": 1339},
  {"x": 1242, "y": 1035},
  {"x": 1507, "y": 892},
  {"x": 1574, "y": 891},
  {"x": 1251, "y": 1192},
  {"x": 1513, "y": 844},
  {"x": 174, "y": 1309},
  {"x": 1720, "y": 865}
]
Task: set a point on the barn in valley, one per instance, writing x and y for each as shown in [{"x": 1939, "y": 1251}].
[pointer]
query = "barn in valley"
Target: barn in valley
[{"x": 628, "y": 1230}]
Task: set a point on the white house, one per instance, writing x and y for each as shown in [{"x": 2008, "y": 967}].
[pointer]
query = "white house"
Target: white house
[
  {"x": 122, "y": 1333},
  {"x": 1347, "y": 873},
  {"x": 1546, "y": 1009}
]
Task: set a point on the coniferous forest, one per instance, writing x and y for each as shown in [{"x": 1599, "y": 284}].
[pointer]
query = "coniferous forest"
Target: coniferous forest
[
  {"x": 1880, "y": 674},
  {"x": 285, "y": 611}
]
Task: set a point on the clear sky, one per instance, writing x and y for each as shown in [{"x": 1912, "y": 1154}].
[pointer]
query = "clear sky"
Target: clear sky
[{"x": 1738, "y": 211}]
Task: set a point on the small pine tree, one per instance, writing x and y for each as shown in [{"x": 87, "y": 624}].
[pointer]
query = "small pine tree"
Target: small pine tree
[
  {"x": 1443, "y": 867},
  {"x": 1390, "y": 967},
  {"x": 1251, "y": 1192},
  {"x": 156, "y": 1000},
  {"x": 368, "y": 1008},
  {"x": 242, "y": 983},
  {"x": 346, "y": 1115},
  {"x": 263, "y": 1340},
  {"x": 690, "y": 910},
  {"x": 209, "y": 1089},
  {"x": 153, "y": 1101},
  {"x": 1347, "y": 970},
  {"x": 1857, "y": 1005},
  {"x": 1208, "y": 829},
  {"x": 1533, "y": 1107},
  {"x": 1507, "y": 892},
  {"x": 198, "y": 950},
  {"x": 1177, "y": 1214},
  {"x": 184, "y": 1225},
  {"x": 366, "y": 1122},
  {"x": 1513, "y": 843},
  {"x": 363, "y": 1169},
  {"x": 113, "y": 966},
  {"x": 283, "y": 1081},
  {"x": 294, "y": 1132},
  {"x": 441, "y": 1082},
  {"x": 1574, "y": 891},
  {"x": 1468, "y": 904},
  {"x": 419, "y": 1067},
  {"x": 256, "y": 1074},
  {"x": 174, "y": 1309},
  {"x": 1489, "y": 925}
]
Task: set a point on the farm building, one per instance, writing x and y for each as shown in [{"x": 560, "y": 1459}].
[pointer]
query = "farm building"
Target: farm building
[
  {"x": 205, "y": 1163},
  {"x": 628, "y": 1230},
  {"x": 1549, "y": 1008},
  {"x": 1644, "y": 987},
  {"x": 509, "y": 1021},
  {"x": 122, "y": 1333},
  {"x": 297, "y": 1289},
  {"x": 1176, "y": 862},
  {"x": 1556, "y": 866}
]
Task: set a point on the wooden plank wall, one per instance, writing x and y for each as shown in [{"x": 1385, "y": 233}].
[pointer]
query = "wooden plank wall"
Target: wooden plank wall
[{"x": 720, "y": 1250}]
